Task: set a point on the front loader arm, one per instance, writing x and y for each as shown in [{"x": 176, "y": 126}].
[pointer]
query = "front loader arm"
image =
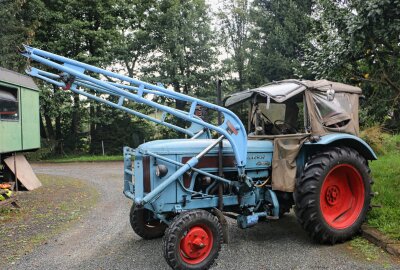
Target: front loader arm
[{"x": 74, "y": 76}]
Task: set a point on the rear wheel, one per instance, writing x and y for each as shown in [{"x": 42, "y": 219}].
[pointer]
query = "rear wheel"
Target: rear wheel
[
  {"x": 144, "y": 224},
  {"x": 333, "y": 195},
  {"x": 193, "y": 240}
]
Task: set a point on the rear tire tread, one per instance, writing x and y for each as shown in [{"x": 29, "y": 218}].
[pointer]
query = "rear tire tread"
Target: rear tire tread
[{"x": 308, "y": 188}]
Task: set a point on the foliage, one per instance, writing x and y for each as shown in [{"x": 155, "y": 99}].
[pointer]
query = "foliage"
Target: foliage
[
  {"x": 137, "y": 34},
  {"x": 375, "y": 138},
  {"x": 185, "y": 45},
  {"x": 92, "y": 32},
  {"x": 366, "y": 248},
  {"x": 46, "y": 150},
  {"x": 385, "y": 172},
  {"x": 85, "y": 31},
  {"x": 113, "y": 137},
  {"x": 179, "y": 43},
  {"x": 357, "y": 42},
  {"x": 263, "y": 39},
  {"x": 280, "y": 27},
  {"x": 19, "y": 19},
  {"x": 235, "y": 23}
]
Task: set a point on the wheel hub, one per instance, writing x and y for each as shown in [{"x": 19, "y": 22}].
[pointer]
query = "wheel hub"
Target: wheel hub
[
  {"x": 196, "y": 243},
  {"x": 342, "y": 196},
  {"x": 332, "y": 195}
]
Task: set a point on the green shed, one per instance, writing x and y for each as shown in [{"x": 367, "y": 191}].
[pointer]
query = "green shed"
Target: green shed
[{"x": 19, "y": 113}]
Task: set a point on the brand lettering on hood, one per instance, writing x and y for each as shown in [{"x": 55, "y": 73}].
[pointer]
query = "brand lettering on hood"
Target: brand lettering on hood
[{"x": 254, "y": 157}]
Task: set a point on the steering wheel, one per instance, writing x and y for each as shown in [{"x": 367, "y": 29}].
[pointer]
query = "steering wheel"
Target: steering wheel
[{"x": 284, "y": 127}]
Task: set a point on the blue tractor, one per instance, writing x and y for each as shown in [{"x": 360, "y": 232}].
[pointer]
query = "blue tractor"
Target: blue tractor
[{"x": 286, "y": 144}]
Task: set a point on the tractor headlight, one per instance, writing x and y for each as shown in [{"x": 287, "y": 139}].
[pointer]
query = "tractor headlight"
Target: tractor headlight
[{"x": 161, "y": 170}]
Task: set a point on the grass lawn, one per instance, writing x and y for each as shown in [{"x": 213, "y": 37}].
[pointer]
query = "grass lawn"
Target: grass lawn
[
  {"x": 386, "y": 175},
  {"x": 85, "y": 158}
]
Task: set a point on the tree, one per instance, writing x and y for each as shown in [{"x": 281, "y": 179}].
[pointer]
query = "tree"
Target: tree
[
  {"x": 234, "y": 18},
  {"x": 137, "y": 40},
  {"x": 185, "y": 54},
  {"x": 280, "y": 27},
  {"x": 358, "y": 42},
  {"x": 19, "y": 20},
  {"x": 85, "y": 31}
]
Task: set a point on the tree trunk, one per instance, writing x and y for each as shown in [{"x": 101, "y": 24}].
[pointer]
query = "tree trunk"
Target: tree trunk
[
  {"x": 49, "y": 126},
  {"x": 179, "y": 104},
  {"x": 43, "y": 132},
  {"x": 58, "y": 132},
  {"x": 59, "y": 148},
  {"x": 240, "y": 71},
  {"x": 394, "y": 122},
  {"x": 240, "y": 68},
  {"x": 75, "y": 122},
  {"x": 92, "y": 112}
]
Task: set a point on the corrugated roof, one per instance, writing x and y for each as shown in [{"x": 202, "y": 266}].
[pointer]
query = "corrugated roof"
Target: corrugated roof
[{"x": 17, "y": 78}]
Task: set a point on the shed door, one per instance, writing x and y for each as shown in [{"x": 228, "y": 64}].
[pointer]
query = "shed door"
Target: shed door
[{"x": 30, "y": 119}]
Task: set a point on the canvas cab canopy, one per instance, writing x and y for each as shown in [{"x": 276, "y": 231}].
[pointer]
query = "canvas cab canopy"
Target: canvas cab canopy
[
  {"x": 329, "y": 106},
  {"x": 290, "y": 111}
]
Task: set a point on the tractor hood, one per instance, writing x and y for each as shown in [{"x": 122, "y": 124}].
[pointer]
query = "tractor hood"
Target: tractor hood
[{"x": 193, "y": 147}]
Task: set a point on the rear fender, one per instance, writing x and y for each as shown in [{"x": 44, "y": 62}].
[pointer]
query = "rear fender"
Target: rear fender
[{"x": 340, "y": 139}]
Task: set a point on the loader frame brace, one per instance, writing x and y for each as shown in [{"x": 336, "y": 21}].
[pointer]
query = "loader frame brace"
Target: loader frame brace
[{"x": 71, "y": 75}]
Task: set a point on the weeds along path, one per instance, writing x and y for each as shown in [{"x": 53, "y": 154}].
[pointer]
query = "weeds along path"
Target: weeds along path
[
  {"x": 103, "y": 239},
  {"x": 43, "y": 214},
  {"x": 94, "y": 233}
]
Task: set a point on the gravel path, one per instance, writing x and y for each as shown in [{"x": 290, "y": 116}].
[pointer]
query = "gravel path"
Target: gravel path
[{"x": 105, "y": 240}]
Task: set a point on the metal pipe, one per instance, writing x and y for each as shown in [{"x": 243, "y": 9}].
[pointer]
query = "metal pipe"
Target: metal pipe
[
  {"x": 74, "y": 68},
  {"x": 198, "y": 134},
  {"x": 192, "y": 162},
  {"x": 187, "y": 166},
  {"x": 31, "y": 52},
  {"x": 211, "y": 146},
  {"x": 15, "y": 172},
  {"x": 83, "y": 93},
  {"x": 193, "y": 169},
  {"x": 220, "y": 146}
]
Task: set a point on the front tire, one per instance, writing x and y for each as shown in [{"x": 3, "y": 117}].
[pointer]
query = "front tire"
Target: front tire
[
  {"x": 333, "y": 195},
  {"x": 193, "y": 240}
]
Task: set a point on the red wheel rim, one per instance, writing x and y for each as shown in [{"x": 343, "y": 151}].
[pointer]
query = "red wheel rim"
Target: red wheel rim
[
  {"x": 196, "y": 245},
  {"x": 342, "y": 196}
]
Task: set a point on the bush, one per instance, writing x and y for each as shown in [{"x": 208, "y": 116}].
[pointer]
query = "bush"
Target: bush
[
  {"x": 391, "y": 143},
  {"x": 376, "y": 138},
  {"x": 46, "y": 150}
]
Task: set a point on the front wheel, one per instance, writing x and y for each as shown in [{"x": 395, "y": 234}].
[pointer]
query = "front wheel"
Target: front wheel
[
  {"x": 193, "y": 240},
  {"x": 333, "y": 194}
]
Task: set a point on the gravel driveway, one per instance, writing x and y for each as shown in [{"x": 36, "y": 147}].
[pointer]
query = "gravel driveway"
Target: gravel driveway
[{"x": 104, "y": 239}]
